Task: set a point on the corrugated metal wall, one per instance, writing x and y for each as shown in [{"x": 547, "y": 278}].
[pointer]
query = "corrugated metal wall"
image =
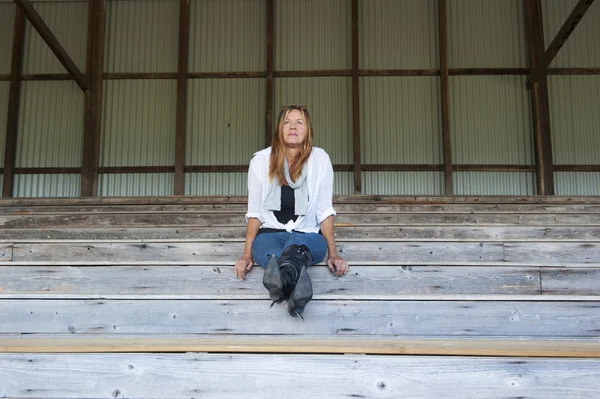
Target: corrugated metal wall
[
  {"x": 400, "y": 116},
  {"x": 581, "y": 49},
  {"x": 141, "y": 36},
  {"x": 312, "y": 34},
  {"x": 574, "y": 100},
  {"x": 51, "y": 133},
  {"x": 486, "y": 34},
  {"x": 138, "y": 121},
  {"x": 135, "y": 184},
  {"x": 397, "y": 34},
  {"x": 228, "y": 36},
  {"x": 68, "y": 22},
  {"x": 490, "y": 120},
  {"x": 490, "y": 117},
  {"x": 7, "y": 22}
]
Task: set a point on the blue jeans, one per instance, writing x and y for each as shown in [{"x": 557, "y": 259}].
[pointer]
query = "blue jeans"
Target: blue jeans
[{"x": 269, "y": 243}]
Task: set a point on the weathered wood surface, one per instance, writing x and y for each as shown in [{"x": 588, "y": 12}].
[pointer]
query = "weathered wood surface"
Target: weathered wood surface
[
  {"x": 338, "y": 199},
  {"x": 322, "y": 317},
  {"x": 339, "y": 207},
  {"x": 343, "y": 233},
  {"x": 219, "y": 282},
  {"x": 359, "y": 252},
  {"x": 6, "y": 252},
  {"x": 382, "y": 345},
  {"x": 294, "y": 376},
  {"x": 70, "y": 221},
  {"x": 572, "y": 281}
]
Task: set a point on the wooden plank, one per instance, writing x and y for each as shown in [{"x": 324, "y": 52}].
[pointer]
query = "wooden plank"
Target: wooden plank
[
  {"x": 181, "y": 118},
  {"x": 219, "y": 282},
  {"x": 445, "y": 96},
  {"x": 5, "y": 252},
  {"x": 338, "y": 199},
  {"x": 356, "y": 155},
  {"x": 432, "y": 319},
  {"x": 74, "y": 221},
  {"x": 46, "y": 34},
  {"x": 558, "y": 254},
  {"x": 343, "y": 232},
  {"x": 210, "y": 375},
  {"x": 340, "y": 208},
  {"x": 574, "y": 281},
  {"x": 541, "y": 66},
  {"x": 14, "y": 102},
  {"x": 571, "y": 348}
]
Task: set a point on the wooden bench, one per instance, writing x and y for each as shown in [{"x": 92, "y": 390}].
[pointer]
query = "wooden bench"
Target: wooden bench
[{"x": 471, "y": 297}]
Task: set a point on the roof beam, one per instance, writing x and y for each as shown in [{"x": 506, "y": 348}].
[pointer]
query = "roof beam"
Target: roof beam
[
  {"x": 541, "y": 67},
  {"x": 40, "y": 26}
]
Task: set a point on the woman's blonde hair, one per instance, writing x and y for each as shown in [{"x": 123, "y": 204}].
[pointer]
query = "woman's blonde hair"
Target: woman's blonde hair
[{"x": 278, "y": 146}]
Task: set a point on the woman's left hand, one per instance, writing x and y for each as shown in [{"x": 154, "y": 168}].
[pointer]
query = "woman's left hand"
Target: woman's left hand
[{"x": 337, "y": 265}]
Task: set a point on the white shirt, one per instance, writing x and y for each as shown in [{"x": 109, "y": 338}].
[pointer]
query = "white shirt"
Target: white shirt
[{"x": 320, "y": 192}]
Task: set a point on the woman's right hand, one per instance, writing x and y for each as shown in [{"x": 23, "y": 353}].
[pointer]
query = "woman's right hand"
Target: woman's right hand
[{"x": 243, "y": 266}]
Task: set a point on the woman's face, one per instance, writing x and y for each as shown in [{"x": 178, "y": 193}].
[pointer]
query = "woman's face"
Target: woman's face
[{"x": 294, "y": 129}]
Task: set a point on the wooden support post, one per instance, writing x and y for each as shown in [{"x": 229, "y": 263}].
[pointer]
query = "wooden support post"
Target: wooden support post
[
  {"x": 14, "y": 100},
  {"x": 40, "y": 26},
  {"x": 269, "y": 94},
  {"x": 541, "y": 66},
  {"x": 445, "y": 99},
  {"x": 182, "y": 70},
  {"x": 539, "y": 100},
  {"x": 93, "y": 99},
  {"x": 355, "y": 101}
]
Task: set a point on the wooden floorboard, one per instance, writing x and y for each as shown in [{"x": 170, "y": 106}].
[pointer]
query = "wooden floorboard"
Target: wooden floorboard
[
  {"x": 226, "y": 376},
  {"x": 321, "y": 317},
  {"x": 212, "y": 282},
  {"x": 233, "y": 219},
  {"x": 558, "y": 254}
]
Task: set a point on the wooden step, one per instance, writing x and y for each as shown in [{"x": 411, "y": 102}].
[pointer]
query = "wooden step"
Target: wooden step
[
  {"x": 555, "y": 254},
  {"x": 344, "y": 232},
  {"x": 226, "y": 376},
  {"x": 322, "y": 317}
]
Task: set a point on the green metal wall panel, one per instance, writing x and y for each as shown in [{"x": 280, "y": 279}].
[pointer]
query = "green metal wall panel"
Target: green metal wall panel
[
  {"x": 141, "y": 36},
  {"x": 329, "y": 103},
  {"x": 226, "y": 122},
  {"x": 51, "y": 125},
  {"x": 7, "y": 24},
  {"x": 398, "y": 34},
  {"x": 133, "y": 184},
  {"x": 51, "y": 185},
  {"x": 486, "y": 34},
  {"x": 577, "y": 183},
  {"x": 574, "y": 119},
  {"x": 400, "y": 120},
  {"x": 490, "y": 120},
  {"x": 582, "y": 48},
  {"x": 228, "y": 36},
  {"x": 403, "y": 183},
  {"x": 494, "y": 183},
  {"x": 216, "y": 183},
  {"x": 138, "y": 123},
  {"x": 68, "y": 22},
  {"x": 312, "y": 34}
]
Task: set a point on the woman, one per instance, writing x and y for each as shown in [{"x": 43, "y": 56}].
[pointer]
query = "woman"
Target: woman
[{"x": 290, "y": 213}]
